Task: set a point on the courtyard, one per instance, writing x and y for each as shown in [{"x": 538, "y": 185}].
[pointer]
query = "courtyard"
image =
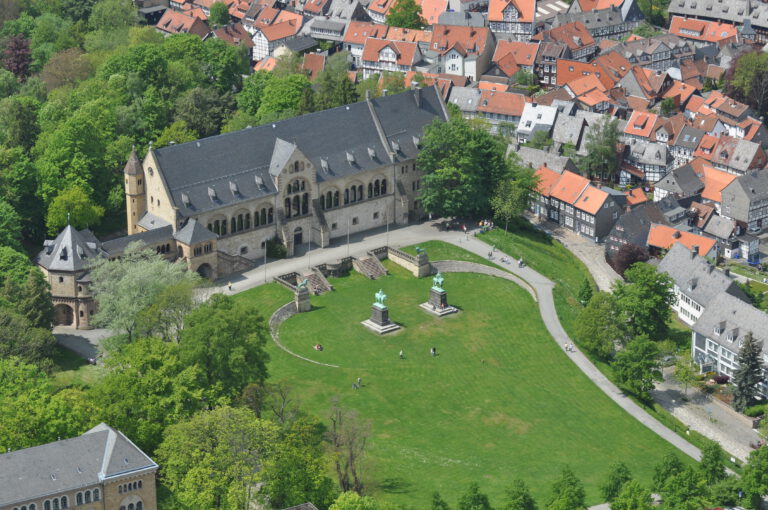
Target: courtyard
[{"x": 500, "y": 401}]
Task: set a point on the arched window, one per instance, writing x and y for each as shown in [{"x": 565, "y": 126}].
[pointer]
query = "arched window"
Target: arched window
[
  {"x": 295, "y": 166},
  {"x": 139, "y": 488},
  {"x": 135, "y": 485},
  {"x": 130, "y": 506},
  {"x": 87, "y": 497},
  {"x": 288, "y": 191},
  {"x": 301, "y": 167},
  {"x": 305, "y": 203},
  {"x": 329, "y": 199},
  {"x": 296, "y": 186},
  {"x": 119, "y": 489},
  {"x": 303, "y": 184},
  {"x": 139, "y": 506},
  {"x": 215, "y": 231},
  {"x": 223, "y": 227},
  {"x": 96, "y": 495},
  {"x": 360, "y": 192},
  {"x": 233, "y": 223},
  {"x": 346, "y": 196},
  {"x": 383, "y": 186},
  {"x": 64, "y": 502},
  {"x": 336, "y": 199},
  {"x": 370, "y": 190},
  {"x": 122, "y": 507},
  {"x": 32, "y": 506},
  {"x": 47, "y": 505},
  {"x": 239, "y": 222},
  {"x": 353, "y": 198},
  {"x": 322, "y": 201},
  {"x": 376, "y": 189},
  {"x": 56, "y": 504},
  {"x": 297, "y": 205},
  {"x": 287, "y": 207},
  {"x": 270, "y": 216},
  {"x": 79, "y": 498},
  {"x": 263, "y": 216},
  {"x": 210, "y": 227}
]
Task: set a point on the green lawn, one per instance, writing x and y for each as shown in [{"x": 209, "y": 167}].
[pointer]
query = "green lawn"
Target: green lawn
[
  {"x": 501, "y": 401},
  {"x": 72, "y": 370},
  {"x": 439, "y": 250},
  {"x": 548, "y": 257}
]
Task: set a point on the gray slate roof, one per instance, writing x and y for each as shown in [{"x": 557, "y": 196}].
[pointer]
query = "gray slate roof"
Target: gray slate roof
[
  {"x": 745, "y": 189},
  {"x": 534, "y": 158},
  {"x": 193, "y": 233},
  {"x": 735, "y": 316},
  {"x": 150, "y": 221},
  {"x": 241, "y": 160},
  {"x": 689, "y": 137},
  {"x": 733, "y": 11},
  {"x": 70, "y": 251},
  {"x": 118, "y": 246},
  {"x": 568, "y": 129},
  {"x": 696, "y": 277},
  {"x": 69, "y": 464},
  {"x": 682, "y": 180},
  {"x": 466, "y": 18},
  {"x": 720, "y": 228}
]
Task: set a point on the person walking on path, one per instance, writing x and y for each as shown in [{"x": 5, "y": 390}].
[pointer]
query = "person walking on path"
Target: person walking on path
[{"x": 402, "y": 356}]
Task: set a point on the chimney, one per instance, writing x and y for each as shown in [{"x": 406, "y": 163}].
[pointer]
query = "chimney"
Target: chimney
[
  {"x": 694, "y": 251},
  {"x": 676, "y": 234},
  {"x": 417, "y": 97}
]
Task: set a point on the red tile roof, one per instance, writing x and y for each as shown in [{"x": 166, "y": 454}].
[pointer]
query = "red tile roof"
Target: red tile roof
[
  {"x": 636, "y": 196},
  {"x": 234, "y": 34},
  {"x": 381, "y": 6},
  {"x": 359, "y": 31},
  {"x": 405, "y": 51},
  {"x": 714, "y": 180},
  {"x": 469, "y": 39},
  {"x": 591, "y": 200},
  {"x": 505, "y": 103},
  {"x": 314, "y": 63},
  {"x": 592, "y": 5},
  {"x": 174, "y": 22},
  {"x": 569, "y": 187},
  {"x": 407, "y": 34},
  {"x": 574, "y": 35},
  {"x": 432, "y": 9},
  {"x": 525, "y": 10},
  {"x": 700, "y": 30},
  {"x": 524, "y": 54},
  {"x": 547, "y": 179},
  {"x": 662, "y": 236},
  {"x": 641, "y": 124}
]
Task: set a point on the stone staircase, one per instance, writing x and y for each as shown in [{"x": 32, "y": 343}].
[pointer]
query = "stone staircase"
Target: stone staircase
[
  {"x": 369, "y": 266},
  {"x": 316, "y": 282}
]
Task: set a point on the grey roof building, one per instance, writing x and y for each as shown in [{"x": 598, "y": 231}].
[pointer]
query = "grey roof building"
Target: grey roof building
[
  {"x": 697, "y": 282},
  {"x": 721, "y": 329},
  {"x": 601, "y": 23},
  {"x": 535, "y": 158},
  {"x": 737, "y": 12},
  {"x": 746, "y": 199},
  {"x": 90, "y": 468},
  {"x": 633, "y": 226},
  {"x": 466, "y": 18},
  {"x": 467, "y": 99},
  {"x": 681, "y": 182}
]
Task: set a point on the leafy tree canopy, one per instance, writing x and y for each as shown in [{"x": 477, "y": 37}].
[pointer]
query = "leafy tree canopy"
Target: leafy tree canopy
[
  {"x": 406, "y": 14},
  {"x": 72, "y": 206}
]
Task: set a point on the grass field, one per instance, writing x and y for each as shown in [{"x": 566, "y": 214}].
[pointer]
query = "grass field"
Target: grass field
[
  {"x": 501, "y": 401},
  {"x": 72, "y": 370}
]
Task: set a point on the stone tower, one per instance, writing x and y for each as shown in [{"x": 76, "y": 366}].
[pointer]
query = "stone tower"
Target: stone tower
[{"x": 135, "y": 192}]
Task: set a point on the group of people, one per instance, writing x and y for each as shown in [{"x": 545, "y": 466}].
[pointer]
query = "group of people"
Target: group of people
[{"x": 432, "y": 352}]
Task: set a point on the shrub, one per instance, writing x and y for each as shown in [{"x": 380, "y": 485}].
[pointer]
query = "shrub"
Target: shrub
[
  {"x": 276, "y": 249},
  {"x": 722, "y": 379},
  {"x": 755, "y": 411}
]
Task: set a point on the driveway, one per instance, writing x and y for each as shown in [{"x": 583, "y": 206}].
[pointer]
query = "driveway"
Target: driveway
[{"x": 85, "y": 342}]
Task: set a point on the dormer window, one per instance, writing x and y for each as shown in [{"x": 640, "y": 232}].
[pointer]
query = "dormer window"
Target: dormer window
[{"x": 719, "y": 328}]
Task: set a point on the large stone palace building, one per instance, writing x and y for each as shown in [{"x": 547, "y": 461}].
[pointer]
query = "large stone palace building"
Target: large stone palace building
[
  {"x": 215, "y": 203},
  {"x": 99, "y": 470}
]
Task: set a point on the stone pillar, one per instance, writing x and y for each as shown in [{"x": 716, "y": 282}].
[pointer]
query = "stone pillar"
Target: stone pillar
[
  {"x": 301, "y": 299},
  {"x": 380, "y": 315},
  {"x": 438, "y": 297},
  {"x": 424, "y": 267}
]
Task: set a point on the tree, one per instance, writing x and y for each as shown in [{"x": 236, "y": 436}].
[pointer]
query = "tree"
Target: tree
[
  {"x": 145, "y": 388},
  {"x": 627, "y": 256},
  {"x": 637, "y": 366},
  {"x": 392, "y": 82},
  {"x": 164, "y": 317},
  {"x": 295, "y": 471},
  {"x": 9, "y": 84},
  {"x": 667, "y": 107},
  {"x": 406, "y": 14},
  {"x": 20, "y": 338},
  {"x": 438, "y": 503},
  {"x": 539, "y": 140},
  {"x": 567, "y": 492},
  {"x": 124, "y": 287},
  {"x": 18, "y": 121},
  {"x": 113, "y": 15},
  {"x": 473, "y": 499},
  {"x": 518, "y": 497},
  {"x": 685, "y": 371},
  {"x": 10, "y": 235},
  {"x": 73, "y": 207},
  {"x": 30, "y": 297},
  {"x": 18, "y": 187},
  {"x": 289, "y": 63},
  {"x": 334, "y": 87},
  {"x": 644, "y": 301},
  {"x": 348, "y": 437},
  {"x": 633, "y": 496},
  {"x": 712, "y": 465},
  {"x": 249, "y": 98},
  {"x": 685, "y": 490},
  {"x": 749, "y": 374},
  {"x": 462, "y": 167},
  {"x": 585, "y": 292},
  {"x": 747, "y": 80},
  {"x": 17, "y": 56},
  {"x": 68, "y": 67},
  {"x": 282, "y": 96},
  {"x": 601, "y": 159},
  {"x": 353, "y": 501},
  {"x": 178, "y": 132},
  {"x": 755, "y": 296},
  {"x": 618, "y": 477},
  {"x": 598, "y": 329},
  {"x": 219, "y": 16},
  {"x": 754, "y": 479},
  {"x": 514, "y": 195},
  {"x": 203, "y": 110},
  {"x": 213, "y": 460},
  {"x": 669, "y": 466},
  {"x": 226, "y": 339}
]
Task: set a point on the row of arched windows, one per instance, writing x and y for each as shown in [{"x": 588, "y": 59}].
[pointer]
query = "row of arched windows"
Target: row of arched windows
[
  {"x": 129, "y": 487},
  {"x": 296, "y": 186},
  {"x": 138, "y": 506},
  {"x": 83, "y": 498},
  {"x": 242, "y": 222},
  {"x": 163, "y": 248},
  {"x": 31, "y": 506},
  {"x": 297, "y": 205},
  {"x": 353, "y": 194},
  {"x": 56, "y": 503}
]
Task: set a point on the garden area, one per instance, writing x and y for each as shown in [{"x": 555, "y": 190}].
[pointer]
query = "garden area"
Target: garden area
[{"x": 500, "y": 401}]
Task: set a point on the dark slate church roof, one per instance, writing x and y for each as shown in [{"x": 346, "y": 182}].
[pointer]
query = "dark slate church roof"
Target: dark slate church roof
[
  {"x": 70, "y": 250},
  {"x": 234, "y": 167},
  {"x": 69, "y": 464},
  {"x": 193, "y": 233}
]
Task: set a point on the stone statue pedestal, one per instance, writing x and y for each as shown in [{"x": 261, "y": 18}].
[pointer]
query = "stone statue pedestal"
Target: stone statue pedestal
[
  {"x": 301, "y": 298},
  {"x": 379, "y": 321},
  {"x": 438, "y": 303}
]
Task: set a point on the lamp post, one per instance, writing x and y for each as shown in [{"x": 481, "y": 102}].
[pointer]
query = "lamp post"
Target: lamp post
[{"x": 347, "y": 236}]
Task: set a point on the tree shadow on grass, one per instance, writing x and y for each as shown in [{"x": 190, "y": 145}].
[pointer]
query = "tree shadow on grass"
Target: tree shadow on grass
[{"x": 395, "y": 485}]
